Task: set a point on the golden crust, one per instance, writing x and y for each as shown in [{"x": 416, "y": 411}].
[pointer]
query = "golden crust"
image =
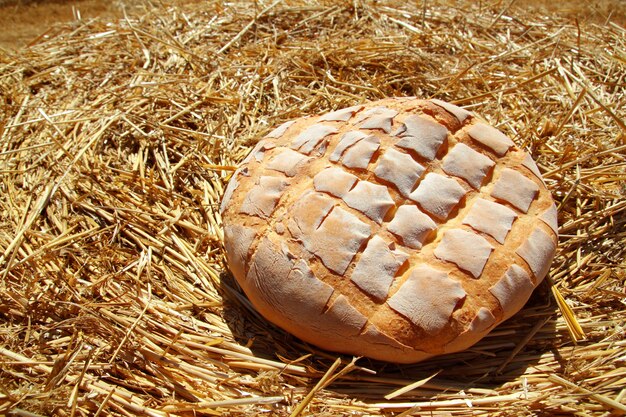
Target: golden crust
[{"x": 304, "y": 232}]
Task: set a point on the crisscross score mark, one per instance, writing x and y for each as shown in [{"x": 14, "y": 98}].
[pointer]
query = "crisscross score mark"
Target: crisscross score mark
[{"x": 404, "y": 209}]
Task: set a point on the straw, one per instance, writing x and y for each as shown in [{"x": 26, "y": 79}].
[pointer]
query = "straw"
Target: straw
[{"x": 117, "y": 140}]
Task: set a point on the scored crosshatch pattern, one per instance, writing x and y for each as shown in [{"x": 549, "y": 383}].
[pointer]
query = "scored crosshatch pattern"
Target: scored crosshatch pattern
[{"x": 386, "y": 204}]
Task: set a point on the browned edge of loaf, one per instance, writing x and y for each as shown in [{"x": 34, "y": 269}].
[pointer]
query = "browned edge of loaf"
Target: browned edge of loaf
[{"x": 351, "y": 320}]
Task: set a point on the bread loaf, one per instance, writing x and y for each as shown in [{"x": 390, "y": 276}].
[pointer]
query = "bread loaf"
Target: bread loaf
[{"x": 396, "y": 230}]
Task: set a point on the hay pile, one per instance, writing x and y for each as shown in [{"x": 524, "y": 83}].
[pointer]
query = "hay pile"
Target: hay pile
[{"x": 116, "y": 141}]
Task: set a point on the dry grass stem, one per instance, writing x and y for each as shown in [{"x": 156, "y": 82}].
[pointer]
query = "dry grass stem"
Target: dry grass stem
[{"x": 117, "y": 140}]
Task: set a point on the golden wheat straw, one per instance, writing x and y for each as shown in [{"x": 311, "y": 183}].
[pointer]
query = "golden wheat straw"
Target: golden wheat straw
[{"x": 117, "y": 139}]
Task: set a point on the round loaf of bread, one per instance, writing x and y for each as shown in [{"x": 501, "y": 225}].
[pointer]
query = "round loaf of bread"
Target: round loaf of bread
[{"x": 396, "y": 230}]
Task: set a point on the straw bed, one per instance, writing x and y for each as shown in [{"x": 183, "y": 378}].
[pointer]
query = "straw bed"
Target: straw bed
[{"x": 117, "y": 140}]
